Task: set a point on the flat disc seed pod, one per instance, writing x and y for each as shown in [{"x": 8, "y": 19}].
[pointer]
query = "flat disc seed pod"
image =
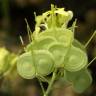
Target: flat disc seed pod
[
  {"x": 59, "y": 51},
  {"x": 26, "y": 66},
  {"x": 40, "y": 43},
  {"x": 80, "y": 80},
  {"x": 62, "y": 35},
  {"x": 44, "y": 62},
  {"x": 65, "y": 36},
  {"x": 76, "y": 59}
]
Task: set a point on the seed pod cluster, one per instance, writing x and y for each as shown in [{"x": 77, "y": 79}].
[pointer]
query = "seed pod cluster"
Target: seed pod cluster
[{"x": 54, "y": 48}]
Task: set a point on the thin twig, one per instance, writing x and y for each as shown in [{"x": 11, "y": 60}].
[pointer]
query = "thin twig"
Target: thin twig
[
  {"x": 90, "y": 39},
  {"x": 91, "y": 61},
  {"x": 45, "y": 79},
  {"x": 41, "y": 86},
  {"x": 22, "y": 42},
  {"x": 21, "y": 39},
  {"x": 28, "y": 30}
]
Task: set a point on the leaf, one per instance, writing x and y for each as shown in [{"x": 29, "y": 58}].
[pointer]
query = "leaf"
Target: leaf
[
  {"x": 80, "y": 80},
  {"x": 76, "y": 59}
]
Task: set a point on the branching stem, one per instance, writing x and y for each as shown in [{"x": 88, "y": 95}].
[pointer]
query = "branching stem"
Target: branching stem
[
  {"x": 41, "y": 86},
  {"x": 51, "y": 83}
]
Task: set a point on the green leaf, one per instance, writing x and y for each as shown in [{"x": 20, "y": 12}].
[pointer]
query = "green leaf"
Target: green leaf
[
  {"x": 80, "y": 80},
  {"x": 76, "y": 59}
]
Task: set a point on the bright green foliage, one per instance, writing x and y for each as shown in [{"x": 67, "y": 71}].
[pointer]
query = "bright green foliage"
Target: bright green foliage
[{"x": 53, "y": 49}]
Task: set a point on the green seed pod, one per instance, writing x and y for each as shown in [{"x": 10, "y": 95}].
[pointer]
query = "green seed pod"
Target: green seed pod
[
  {"x": 62, "y": 35},
  {"x": 59, "y": 51},
  {"x": 4, "y": 60},
  {"x": 76, "y": 59},
  {"x": 80, "y": 80},
  {"x": 40, "y": 43},
  {"x": 34, "y": 64},
  {"x": 26, "y": 66},
  {"x": 44, "y": 62}
]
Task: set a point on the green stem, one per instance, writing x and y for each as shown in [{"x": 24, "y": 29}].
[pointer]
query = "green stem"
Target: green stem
[
  {"x": 46, "y": 80},
  {"x": 90, "y": 39},
  {"x": 28, "y": 31},
  {"x": 53, "y": 16},
  {"x": 41, "y": 86},
  {"x": 51, "y": 83},
  {"x": 91, "y": 61}
]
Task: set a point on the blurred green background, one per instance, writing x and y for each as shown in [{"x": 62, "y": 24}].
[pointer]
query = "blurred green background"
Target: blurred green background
[{"x": 12, "y": 25}]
